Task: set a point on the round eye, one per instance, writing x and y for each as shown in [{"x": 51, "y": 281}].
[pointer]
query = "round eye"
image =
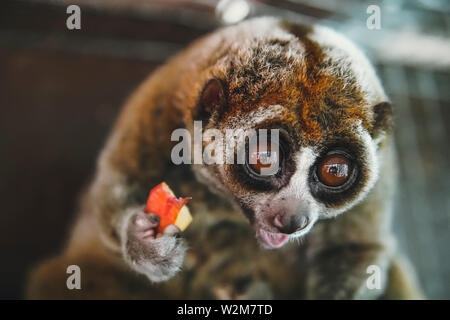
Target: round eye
[
  {"x": 260, "y": 156},
  {"x": 334, "y": 170}
]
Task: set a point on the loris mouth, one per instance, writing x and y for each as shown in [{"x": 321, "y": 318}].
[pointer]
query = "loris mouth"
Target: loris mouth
[{"x": 271, "y": 239}]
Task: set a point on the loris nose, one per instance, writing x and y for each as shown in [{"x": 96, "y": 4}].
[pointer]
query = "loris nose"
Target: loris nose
[{"x": 290, "y": 224}]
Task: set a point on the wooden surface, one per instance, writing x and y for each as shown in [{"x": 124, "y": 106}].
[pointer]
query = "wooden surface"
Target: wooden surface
[{"x": 61, "y": 90}]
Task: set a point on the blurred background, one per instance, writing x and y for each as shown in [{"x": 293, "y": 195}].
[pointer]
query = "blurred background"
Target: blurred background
[{"x": 60, "y": 91}]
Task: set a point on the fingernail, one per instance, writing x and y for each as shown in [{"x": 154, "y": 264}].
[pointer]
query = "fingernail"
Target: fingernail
[{"x": 154, "y": 218}]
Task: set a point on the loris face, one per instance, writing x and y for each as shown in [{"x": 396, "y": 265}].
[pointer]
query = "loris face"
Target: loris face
[{"x": 322, "y": 96}]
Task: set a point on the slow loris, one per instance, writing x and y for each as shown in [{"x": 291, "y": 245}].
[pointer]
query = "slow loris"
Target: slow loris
[{"x": 311, "y": 230}]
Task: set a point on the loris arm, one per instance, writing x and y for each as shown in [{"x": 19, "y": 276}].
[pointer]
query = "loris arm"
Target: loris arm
[
  {"x": 133, "y": 161},
  {"x": 341, "y": 272},
  {"x": 339, "y": 254}
]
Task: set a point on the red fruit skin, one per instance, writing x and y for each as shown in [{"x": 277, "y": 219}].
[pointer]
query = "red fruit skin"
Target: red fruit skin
[
  {"x": 156, "y": 200},
  {"x": 163, "y": 204}
]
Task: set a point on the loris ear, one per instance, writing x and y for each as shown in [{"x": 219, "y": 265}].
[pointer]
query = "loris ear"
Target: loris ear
[
  {"x": 382, "y": 121},
  {"x": 212, "y": 98}
]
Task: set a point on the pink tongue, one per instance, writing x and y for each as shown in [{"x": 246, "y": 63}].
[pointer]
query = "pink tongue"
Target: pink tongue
[{"x": 274, "y": 240}]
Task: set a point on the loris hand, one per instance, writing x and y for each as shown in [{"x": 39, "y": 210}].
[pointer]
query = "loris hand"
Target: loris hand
[{"x": 158, "y": 256}]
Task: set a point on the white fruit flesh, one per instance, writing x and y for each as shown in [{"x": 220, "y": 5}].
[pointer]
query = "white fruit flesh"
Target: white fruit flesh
[{"x": 184, "y": 218}]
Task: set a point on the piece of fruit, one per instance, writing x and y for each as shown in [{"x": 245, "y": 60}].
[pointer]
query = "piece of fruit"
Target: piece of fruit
[{"x": 170, "y": 209}]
